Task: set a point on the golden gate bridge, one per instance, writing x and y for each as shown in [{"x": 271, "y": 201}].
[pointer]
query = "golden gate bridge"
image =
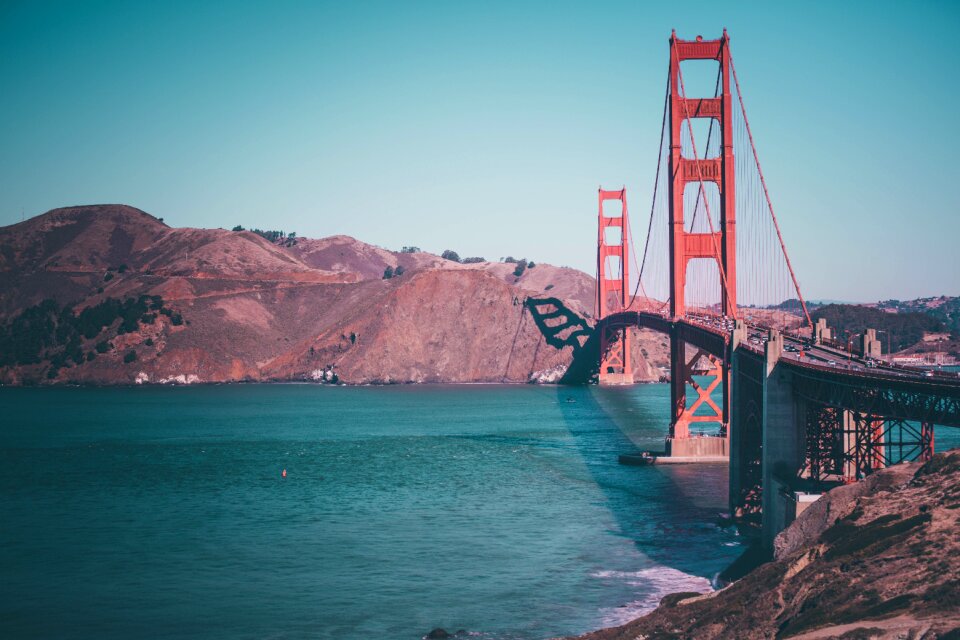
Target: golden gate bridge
[{"x": 768, "y": 391}]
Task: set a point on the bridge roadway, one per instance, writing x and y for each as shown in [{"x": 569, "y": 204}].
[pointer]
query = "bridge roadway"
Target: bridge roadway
[
  {"x": 794, "y": 403},
  {"x": 824, "y": 373}
]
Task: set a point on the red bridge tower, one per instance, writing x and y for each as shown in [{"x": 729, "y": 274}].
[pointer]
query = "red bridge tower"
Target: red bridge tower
[
  {"x": 612, "y": 291},
  {"x": 718, "y": 244}
]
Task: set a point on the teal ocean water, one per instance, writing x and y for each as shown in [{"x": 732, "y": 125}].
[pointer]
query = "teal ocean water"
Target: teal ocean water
[{"x": 162, "y": 512}]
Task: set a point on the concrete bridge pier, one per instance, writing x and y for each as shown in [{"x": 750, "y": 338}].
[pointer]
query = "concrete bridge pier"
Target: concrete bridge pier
[
  {"x": 768, "y": 438},
  {"x": 784, "y": 444},
  {"x": 868, "y": 345},
  {"x": 748, "y": 376},
  {"x": 821, "y": 331}
]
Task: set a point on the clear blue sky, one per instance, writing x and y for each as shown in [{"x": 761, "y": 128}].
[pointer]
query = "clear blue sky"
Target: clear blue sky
[{"x": 485, "y": 127}]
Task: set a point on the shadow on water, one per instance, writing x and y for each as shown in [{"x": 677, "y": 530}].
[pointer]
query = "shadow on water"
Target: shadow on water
[
  {"x": 665, "y": 511},
  {"x": 660, "y": 508}
]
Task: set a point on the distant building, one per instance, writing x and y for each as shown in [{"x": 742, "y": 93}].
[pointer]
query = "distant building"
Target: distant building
[{"x": 925, "y": 360}]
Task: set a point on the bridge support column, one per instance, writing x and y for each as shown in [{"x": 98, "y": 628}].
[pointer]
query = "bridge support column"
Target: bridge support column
[
  {"x": 784, "y": 443},
  {"x": 845, "y": 446},
  {"x": 821, "y": 331},
  {"x": 705, "y": 373},
  {"x": 768, "y": 437},
  {"x": 868, "y": 345},
  {"x": 746, "y": 410},
  {"x": 678, "y": 387}
]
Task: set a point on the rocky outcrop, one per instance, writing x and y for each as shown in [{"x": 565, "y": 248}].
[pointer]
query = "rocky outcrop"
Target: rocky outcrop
[
  {"x": 877, "y": 559},
  {"x": 255, "y": 310}
]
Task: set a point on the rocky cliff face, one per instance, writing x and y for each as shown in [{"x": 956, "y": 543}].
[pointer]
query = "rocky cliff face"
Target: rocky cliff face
[
  {"x": 877, "y": 559},
  {"x": 237, "y": 307}
]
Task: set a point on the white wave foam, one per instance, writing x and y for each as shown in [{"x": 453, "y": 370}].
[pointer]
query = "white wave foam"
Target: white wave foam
[{"x": 653, "y": 583}]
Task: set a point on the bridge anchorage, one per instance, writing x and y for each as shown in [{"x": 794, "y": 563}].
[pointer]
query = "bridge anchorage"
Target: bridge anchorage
[{"x": 754, "y": 383}]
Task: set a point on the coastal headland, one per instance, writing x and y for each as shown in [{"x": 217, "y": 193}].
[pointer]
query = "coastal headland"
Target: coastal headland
[{"x": 109, "y": 294}]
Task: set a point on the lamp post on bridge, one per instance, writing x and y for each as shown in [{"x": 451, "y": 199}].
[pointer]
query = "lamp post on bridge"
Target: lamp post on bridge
[{"x": 847, "y": 333}]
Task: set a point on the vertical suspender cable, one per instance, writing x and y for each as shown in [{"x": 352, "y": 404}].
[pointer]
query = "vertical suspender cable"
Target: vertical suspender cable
[
  {"x": 766, "y": 193},
  {"x": 716, "y": 92},
  {"x": 656, "y": 182}
]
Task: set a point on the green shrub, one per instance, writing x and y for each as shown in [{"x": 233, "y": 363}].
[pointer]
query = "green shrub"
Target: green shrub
[{"x": 904, "y": 328}]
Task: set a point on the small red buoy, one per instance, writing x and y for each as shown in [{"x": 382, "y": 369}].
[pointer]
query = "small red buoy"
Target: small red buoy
[{"x": 284, "y": 474}]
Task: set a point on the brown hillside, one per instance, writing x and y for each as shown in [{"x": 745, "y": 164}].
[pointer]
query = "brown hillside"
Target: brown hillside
[
  {"x": 78, "y": 239},
  {"x": 344, "y": 254},
  {"x": 256, "y": 310}
]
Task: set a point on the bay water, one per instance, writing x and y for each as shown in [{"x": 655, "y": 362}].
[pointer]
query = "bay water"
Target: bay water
[{"x": 163, "y": 512}]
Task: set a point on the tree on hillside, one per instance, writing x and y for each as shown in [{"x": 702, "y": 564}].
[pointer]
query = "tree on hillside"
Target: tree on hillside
[
  {"x": 453, "y": 256},
  {"x": 388, "y": 273},
  {"x": 904, "y": 328}
]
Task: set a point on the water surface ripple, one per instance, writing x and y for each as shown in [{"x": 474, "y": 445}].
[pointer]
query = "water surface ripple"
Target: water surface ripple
[{"x": 501, "y": 510}]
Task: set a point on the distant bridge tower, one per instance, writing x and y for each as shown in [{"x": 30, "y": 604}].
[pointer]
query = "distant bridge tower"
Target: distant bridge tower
[
  {"x": 613, "y": 290},
  {"x": 719, "y": 244}
]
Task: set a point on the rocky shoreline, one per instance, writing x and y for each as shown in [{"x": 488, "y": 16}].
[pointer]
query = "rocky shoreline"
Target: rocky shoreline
[{"x": 876, "y": 559}]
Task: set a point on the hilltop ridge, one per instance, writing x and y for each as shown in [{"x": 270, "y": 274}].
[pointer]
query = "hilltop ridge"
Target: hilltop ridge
[{"x": 252, "y": 309}]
